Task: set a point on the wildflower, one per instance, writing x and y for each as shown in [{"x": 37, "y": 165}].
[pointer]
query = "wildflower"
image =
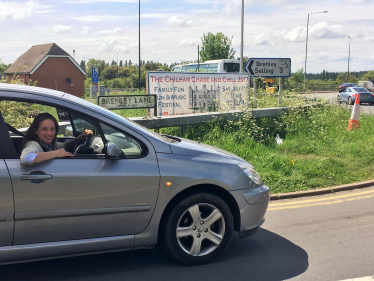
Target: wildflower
[{"x": 278, "y": 140}]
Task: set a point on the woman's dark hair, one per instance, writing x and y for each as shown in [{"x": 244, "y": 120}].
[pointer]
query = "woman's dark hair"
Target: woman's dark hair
[{"x": 31, "y": 131}]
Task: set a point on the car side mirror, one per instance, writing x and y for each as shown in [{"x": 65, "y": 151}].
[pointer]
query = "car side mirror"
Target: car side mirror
[{"x": 113, "y": 151}]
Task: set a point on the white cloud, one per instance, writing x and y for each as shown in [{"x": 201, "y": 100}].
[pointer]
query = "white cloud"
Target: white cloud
[
  {"x": 62, "y": 29},
  {"x": 19, "y": 11},
  {"x": 358, "y": 2},
  {"x": 189, "y": 42},
  {"x": 262, "y": 39},
  {"x": 113, "y": 31},
  {"x": 94, "y": 18},
  {"x": 108, "y": 45},
  {"x": 86, "y": 30},
  {"x": 121, "y": 49},
  {"x": 113, "y": 45},
  {"x": 98, "y": 1},
  {"x": 324, "y": 30},
  {"x": 369, "y": 39},
  {"x": 175, "y": 21},
  {"x": 296, "y": 34}
]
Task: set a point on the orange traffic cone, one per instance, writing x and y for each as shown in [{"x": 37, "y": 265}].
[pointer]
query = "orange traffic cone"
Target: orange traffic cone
[{"x": 354, "y": 122}]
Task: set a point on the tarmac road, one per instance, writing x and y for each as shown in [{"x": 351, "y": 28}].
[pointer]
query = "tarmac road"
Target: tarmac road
[
  {"x": 328, "y": 237},
  {"x": 332, "y": 98}
]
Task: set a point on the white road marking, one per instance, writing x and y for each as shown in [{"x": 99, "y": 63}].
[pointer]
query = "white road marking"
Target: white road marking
[{"x": 367, "y": 278}]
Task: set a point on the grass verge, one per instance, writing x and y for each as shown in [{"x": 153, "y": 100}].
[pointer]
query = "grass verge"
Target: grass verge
[{"x": 317, "y": 150}]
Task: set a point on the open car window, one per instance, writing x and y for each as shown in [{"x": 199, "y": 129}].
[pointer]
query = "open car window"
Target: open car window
[{"x": 130, "y": 147}]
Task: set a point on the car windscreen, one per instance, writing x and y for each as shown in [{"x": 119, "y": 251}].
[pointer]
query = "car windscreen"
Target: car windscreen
[{"x": 360, "y": 89}]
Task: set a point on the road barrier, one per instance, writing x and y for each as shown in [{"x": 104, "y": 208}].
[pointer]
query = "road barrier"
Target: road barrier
[{"x": 193, "y": 119}]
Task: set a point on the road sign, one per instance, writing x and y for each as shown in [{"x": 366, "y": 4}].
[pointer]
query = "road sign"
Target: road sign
[
  {"x": 127, "y": 101},
  {"x": 268, "y": 67},
  {"x": 95, "y": 75}
]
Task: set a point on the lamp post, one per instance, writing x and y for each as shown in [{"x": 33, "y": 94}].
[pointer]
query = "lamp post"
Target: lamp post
[
  {"x": 241, "y": 40},
  {"x": 306, "y": 44},
  {"x": 139, "y": 44},
  {"x": 349, "y": 55}
]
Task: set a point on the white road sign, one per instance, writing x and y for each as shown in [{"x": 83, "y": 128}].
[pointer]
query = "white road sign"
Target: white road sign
[{"x": 268, "y": 67}]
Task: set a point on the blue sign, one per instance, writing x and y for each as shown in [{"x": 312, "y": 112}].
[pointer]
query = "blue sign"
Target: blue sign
[{"x": 95, "y": 75}]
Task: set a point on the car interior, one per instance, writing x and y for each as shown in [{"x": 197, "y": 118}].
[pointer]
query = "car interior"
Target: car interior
[{"x": 72, "y": 125}]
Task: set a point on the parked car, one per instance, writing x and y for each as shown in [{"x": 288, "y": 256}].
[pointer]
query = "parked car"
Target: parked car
[
  {"x": 350, "y": 94},
  {"x": 130, "y": 188},
  {"x": 344, "y": 86}
]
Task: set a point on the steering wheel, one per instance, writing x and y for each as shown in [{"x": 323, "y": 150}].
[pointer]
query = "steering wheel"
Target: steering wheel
[{"x": 83, "y": 148}]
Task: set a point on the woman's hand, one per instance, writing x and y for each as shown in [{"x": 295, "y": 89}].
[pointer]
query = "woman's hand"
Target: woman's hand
[
  {"x": 60, "y": 153},
  {"x": 87, "y": 133}
]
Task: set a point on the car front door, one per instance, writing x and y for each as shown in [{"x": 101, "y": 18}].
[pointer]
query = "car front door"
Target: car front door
[
  {"x": 88, "y": 196},
  {"x": 6, "y": 194}
]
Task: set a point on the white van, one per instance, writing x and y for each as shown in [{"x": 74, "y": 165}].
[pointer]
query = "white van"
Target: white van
[
  {"x": 366, "y": 84},
  {"x": 211, "y": 66}
]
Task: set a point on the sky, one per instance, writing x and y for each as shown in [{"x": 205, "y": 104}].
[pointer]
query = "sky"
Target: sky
[{"x": 172, "y": 30}]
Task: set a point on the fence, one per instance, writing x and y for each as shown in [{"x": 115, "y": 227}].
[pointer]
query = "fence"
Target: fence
[
  {"x": 194, "y": 119},
  {"x": 116, "y": 91},
  {"x": 311, "y": 87}
]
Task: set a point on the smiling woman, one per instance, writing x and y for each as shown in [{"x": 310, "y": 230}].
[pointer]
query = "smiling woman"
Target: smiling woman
[{"x": 41, "y": 141}]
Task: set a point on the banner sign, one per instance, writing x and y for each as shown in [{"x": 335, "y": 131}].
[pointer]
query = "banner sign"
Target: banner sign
[
  {"x": 181, "y": 93},
  {"x": 127, "y": 101}
]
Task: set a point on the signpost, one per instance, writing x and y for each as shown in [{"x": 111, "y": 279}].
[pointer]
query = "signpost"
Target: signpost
[
  {"x": 95, "y": 75},
  {"x": 128, "y": 102},
  {"x": 268, "y": 67}
]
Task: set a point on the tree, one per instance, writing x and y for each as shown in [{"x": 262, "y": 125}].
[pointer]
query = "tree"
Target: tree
[
  {"x": 3, "y": 67},
  {"x": 369, "y": 76},
  {"x": 120, "y": 63},
  {"x": 83, "y": 64},
  {"x": 216, "y": 47},
  {"x": 297, "y": 77},
  {"x": 94, "y": 63},
  {"x": 109, "y": 72}
]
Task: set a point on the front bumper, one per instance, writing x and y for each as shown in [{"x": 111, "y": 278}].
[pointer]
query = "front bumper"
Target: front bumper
[{"x": 253, "y": 204}]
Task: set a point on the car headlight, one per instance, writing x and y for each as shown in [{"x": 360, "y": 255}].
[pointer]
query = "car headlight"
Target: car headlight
[{"x": 251, "y": 173}]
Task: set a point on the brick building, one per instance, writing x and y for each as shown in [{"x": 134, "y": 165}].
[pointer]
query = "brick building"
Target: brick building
[{"x": 51, "y": 67}]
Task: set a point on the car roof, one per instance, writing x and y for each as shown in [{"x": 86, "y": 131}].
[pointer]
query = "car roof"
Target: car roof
[{"x": 29, "y": 89}]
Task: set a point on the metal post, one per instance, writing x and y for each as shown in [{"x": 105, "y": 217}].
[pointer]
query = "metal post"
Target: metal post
[
  {"x": 280, "y": 91},
  {"x": 306, "y": 48},
  {"x": 349, "y": 55},
  {"x": 249, "y": 91},
  {"x": 241, "y": 40},
  {"x": 198, "y": 58},
  {"x": 306, "y": 43},
  {"x": 254, "y": 92},
  {"x": 139, "y": 44}
]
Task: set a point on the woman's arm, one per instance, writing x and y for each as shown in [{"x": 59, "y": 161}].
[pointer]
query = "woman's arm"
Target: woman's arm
[
  {"x": 59, "y": 153},
  {"x": 70, "y": 144}
]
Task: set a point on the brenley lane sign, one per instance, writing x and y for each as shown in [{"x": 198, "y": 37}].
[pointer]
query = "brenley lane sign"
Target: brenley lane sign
[
  {"x": 127, "y": 101},
  {"x": 268, "y": 67}
]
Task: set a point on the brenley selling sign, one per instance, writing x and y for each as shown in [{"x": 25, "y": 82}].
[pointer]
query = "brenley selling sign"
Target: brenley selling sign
[
  {"x": 268, "y": 67},
  {"x": 184, "y": 93},
  {"x": 127, "y": 102}
]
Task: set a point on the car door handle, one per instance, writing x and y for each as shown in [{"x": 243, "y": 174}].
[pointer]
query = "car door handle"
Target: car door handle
[{"x": 36, "y": 176}]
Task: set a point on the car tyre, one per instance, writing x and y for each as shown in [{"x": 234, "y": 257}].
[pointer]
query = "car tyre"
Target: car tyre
[
  {"x": 350, "y": 100},
  {"x": 198, "y": 229}
]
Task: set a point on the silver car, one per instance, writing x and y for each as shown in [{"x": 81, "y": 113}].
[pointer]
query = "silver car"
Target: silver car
[{"x": 125, "y": 188}]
